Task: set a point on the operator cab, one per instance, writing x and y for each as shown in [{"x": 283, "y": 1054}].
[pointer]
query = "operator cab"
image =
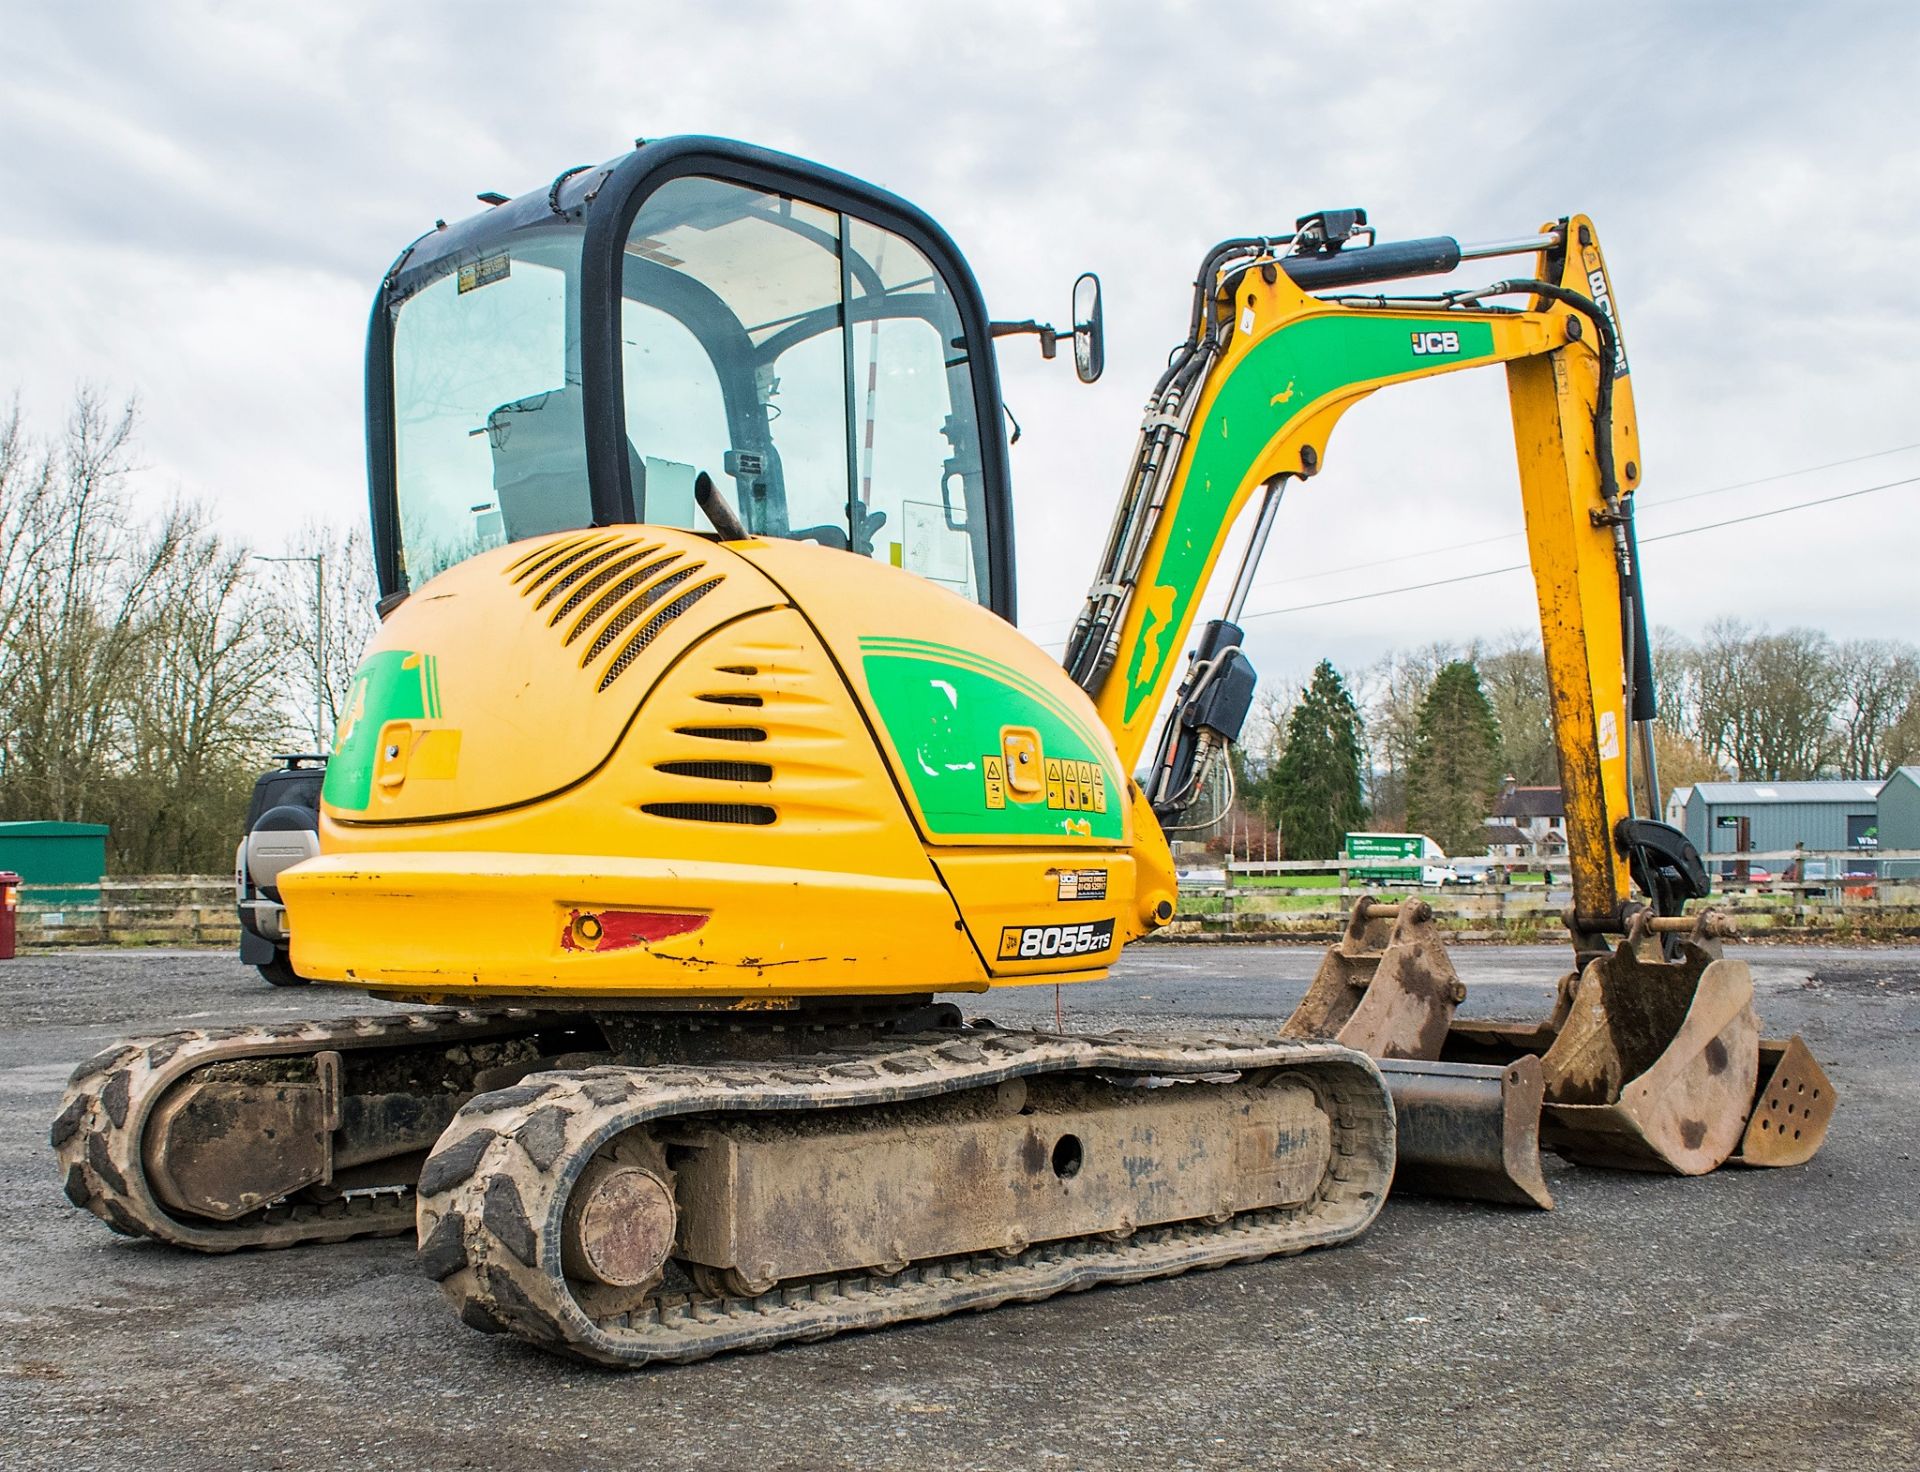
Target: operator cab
[{"x": 580, "y": 356}]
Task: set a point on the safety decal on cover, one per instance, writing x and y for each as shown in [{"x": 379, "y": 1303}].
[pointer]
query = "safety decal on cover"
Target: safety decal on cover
[
  {"x": 1031, "y": 942},
  {"x": 483, "y": 272},
  {"x": 1076, "y": 786}
]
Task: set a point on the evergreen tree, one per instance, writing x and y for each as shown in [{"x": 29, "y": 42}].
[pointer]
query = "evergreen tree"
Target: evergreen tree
[
  {"x": 1315, "y": 793},
  {"x": 1456, "y": 763}
]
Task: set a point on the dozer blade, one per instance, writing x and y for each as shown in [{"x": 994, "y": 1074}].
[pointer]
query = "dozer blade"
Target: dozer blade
[
  {"x": 1791, "y": 1110},
  {"x": 1470, "y": 1130}
]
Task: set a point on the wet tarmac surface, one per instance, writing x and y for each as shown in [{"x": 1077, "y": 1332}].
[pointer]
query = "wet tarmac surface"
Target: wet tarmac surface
[{"x": 1743, "y": 1319}]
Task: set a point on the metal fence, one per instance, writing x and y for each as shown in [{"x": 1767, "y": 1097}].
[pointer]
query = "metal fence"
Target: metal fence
[
  {"x": 154, "y": 909},
  {"x": 1517, "y": 897}
]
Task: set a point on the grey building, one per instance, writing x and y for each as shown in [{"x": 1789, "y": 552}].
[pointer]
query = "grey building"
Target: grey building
[
  {"x": 1772, "y": 817},
  {"x": 1900, "y": 820}
]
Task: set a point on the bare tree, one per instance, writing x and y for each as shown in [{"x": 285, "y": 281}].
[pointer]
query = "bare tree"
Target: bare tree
[
  {"x": 1683, "y": 761},
  {"x": 1879, "y": 682},
  {"x": 139, "y": 681},
  {"x": 1902, "y": 746},
  {"x": 1676, "y": 685},
  {"x": 1514, "y": 677},
  {"x": 335, "y": 640},
  {"x": 209, "y": 709},
  {"x": 1767, "y": 701},
  {"x": 1390, "y": 695},
  {"x": 28, "y": 524},
  {"x": 1265, "y": 741},
  {"x": 74, "y": 645}
]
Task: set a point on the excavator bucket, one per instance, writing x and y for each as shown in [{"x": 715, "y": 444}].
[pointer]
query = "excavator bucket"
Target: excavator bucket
[
  {"x": 1792, "y": 1109},
  {"x": 1389, "y": 989},
  {"x": 1657, "y": 1064},
  {"x": 1469, "y": 1130}
]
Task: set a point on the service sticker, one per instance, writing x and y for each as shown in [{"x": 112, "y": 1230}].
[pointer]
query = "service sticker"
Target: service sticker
[{"x": 1081, "y": 884}]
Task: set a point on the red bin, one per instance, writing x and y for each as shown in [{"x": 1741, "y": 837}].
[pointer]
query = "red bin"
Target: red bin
[{"x": 9, "y": 912}]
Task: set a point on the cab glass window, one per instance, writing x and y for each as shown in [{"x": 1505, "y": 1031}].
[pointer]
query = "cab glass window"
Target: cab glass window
[
  {"x": 814, "y": 365},
  {"x": 488, "y": 433}
]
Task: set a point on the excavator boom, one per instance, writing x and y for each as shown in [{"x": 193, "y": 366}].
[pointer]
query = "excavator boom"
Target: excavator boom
[
  {"x": 1251, "y": 401},
  {"x": 1651, "y": 1059}
]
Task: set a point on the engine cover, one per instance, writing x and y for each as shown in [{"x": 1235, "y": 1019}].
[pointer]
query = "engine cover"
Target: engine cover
[{"x": 637, "y": 763}]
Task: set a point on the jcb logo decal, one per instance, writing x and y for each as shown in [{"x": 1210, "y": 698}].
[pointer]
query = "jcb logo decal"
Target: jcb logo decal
[
  {"x": 1034, "y": 942},
  {"x": 1433, "y": 344},
  {"x": 1597, "y": 289}
]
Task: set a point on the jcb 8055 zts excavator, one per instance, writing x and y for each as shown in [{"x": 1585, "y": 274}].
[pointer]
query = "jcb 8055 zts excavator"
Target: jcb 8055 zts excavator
[{"x": 698, "y": 752}]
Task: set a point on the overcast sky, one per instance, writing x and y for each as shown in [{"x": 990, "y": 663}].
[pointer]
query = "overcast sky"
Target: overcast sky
[{"x": 200, "y": 200}]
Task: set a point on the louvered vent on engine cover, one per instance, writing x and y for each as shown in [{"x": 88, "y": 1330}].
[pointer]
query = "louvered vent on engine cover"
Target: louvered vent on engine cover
[
  {"x": 723, "y": 733},
  {"x": 718, "y": 771},
  {"x": 712, "y": 812},
  {"x": 606, "y": 583}
]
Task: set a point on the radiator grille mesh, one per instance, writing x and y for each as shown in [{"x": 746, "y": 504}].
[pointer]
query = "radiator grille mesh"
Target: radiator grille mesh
[{"x": 654, "y": 625}]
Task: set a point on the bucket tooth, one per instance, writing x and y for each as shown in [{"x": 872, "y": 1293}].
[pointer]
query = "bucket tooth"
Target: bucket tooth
[
  {"x": 1792, "y": 1107},
  {"x": 1469, "y": 1130}
]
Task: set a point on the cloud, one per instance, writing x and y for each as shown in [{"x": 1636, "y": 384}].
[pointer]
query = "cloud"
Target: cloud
[{"x": 202, "y": 199}]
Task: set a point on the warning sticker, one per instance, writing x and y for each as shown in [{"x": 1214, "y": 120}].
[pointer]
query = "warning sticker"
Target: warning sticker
[{"x": 995, "y": 768}]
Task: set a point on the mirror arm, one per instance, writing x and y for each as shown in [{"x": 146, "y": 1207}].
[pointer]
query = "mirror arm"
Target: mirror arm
[{"x": 1048, "y": 334}]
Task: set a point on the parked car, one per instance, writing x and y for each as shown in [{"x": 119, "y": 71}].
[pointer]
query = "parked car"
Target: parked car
[{"x": 283, "y": 822}]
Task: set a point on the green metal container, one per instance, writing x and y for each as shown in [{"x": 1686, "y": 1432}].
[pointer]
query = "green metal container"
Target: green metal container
[{"x": 56, "y": 853}]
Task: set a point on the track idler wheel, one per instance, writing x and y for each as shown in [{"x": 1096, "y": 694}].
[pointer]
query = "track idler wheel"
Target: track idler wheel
[{"x": 620, "y": 1222}]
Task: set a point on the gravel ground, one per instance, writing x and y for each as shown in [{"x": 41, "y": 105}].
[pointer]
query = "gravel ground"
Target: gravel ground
[{"x": 1763, "y": 1319}]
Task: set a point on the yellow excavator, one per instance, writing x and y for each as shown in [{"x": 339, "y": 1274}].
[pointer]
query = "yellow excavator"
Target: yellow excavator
[{"x": 698, "y": 753}]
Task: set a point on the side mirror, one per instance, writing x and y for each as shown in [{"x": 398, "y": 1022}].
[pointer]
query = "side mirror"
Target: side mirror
[{"x": 1089, "y": 330}]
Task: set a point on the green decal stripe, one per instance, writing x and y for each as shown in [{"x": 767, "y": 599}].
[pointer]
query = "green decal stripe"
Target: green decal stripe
[
  {"x": 985, "y": 664},
  {"x": 982, "y": 664},
  {"x": 945, "y": 714},
  {"x": 1293, "y": 372},
  {"x": 383, "y": 690},
  {"x": 926, "y": 649},
  {"x": 433, "y": 686}
]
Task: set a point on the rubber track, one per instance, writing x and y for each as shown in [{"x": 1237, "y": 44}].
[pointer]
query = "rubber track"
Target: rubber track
[
  {"x": 493, "y": 1192},
  {"x": 103, "y": 1115}
]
